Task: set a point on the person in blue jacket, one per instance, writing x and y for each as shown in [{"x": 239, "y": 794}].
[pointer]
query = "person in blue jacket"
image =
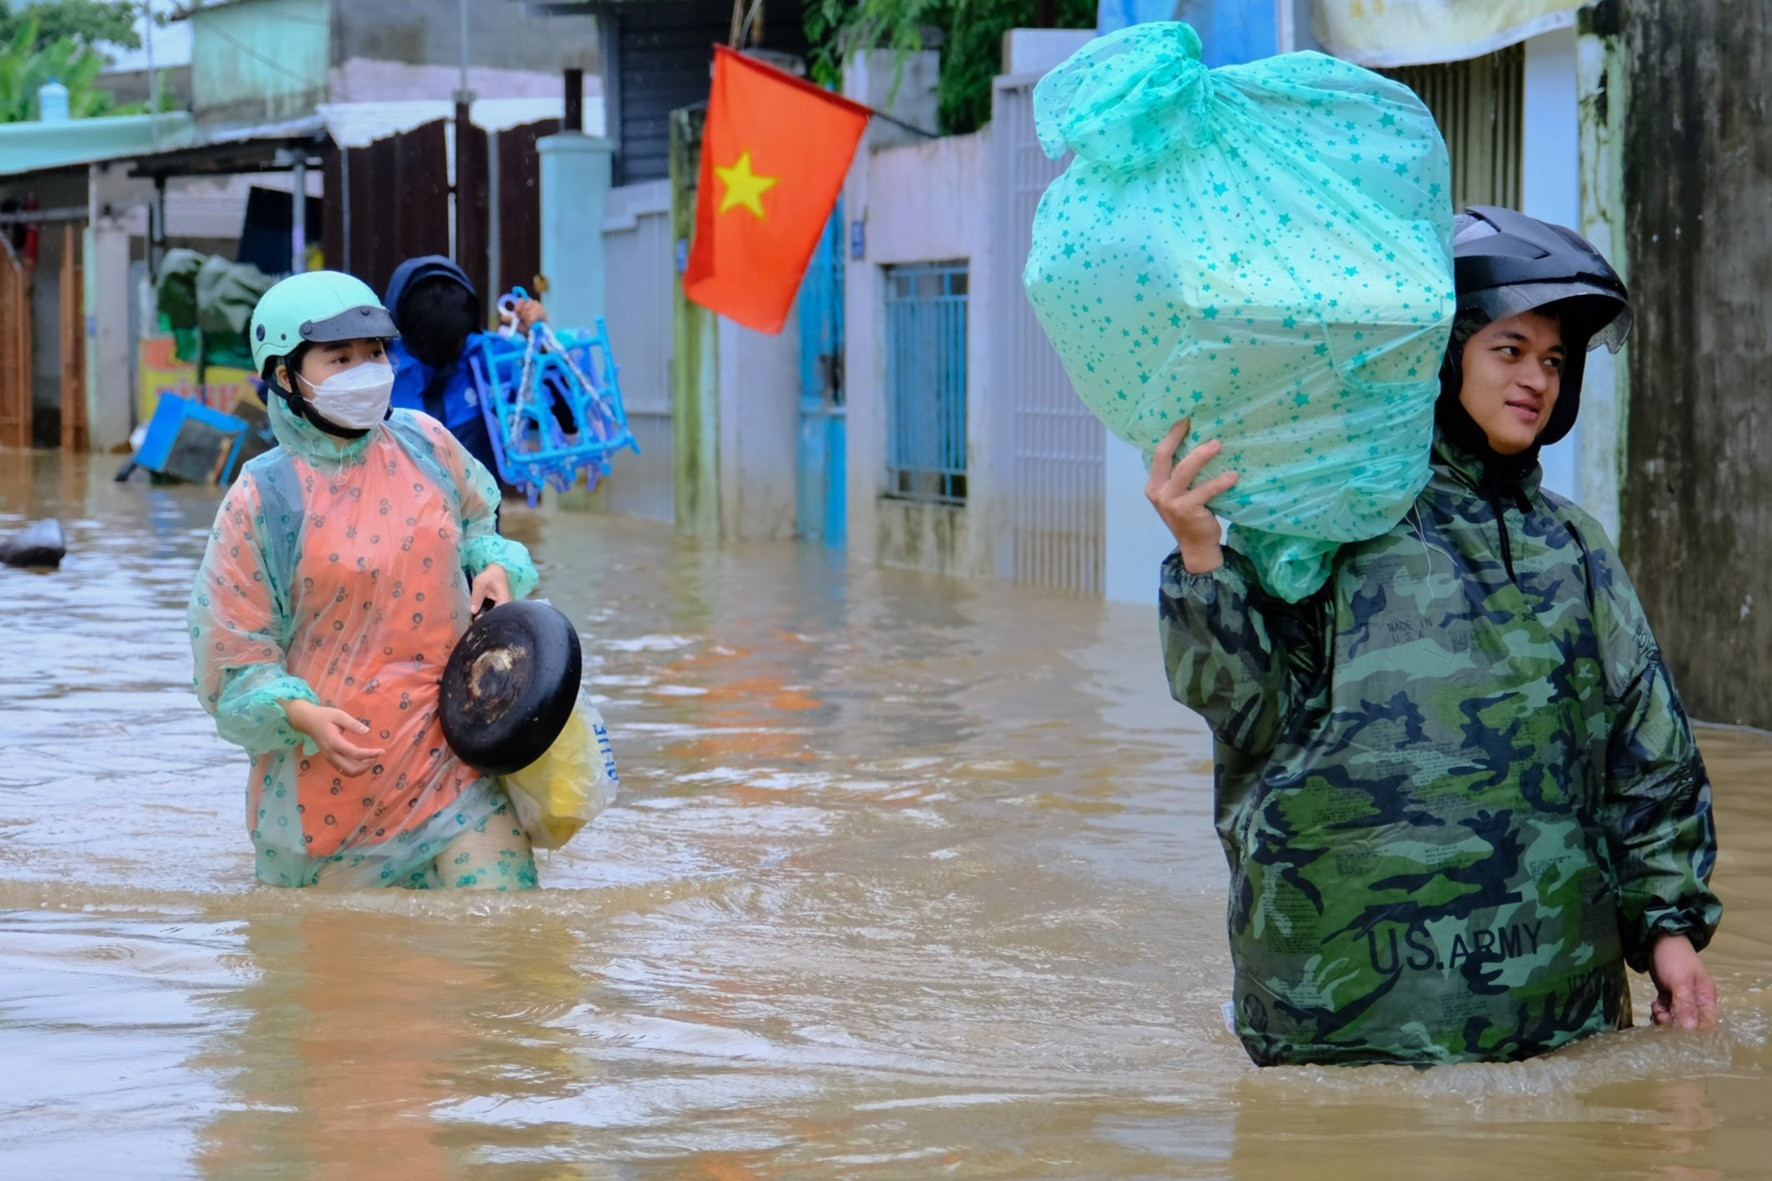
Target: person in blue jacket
[{"x": 439, "y": 314}]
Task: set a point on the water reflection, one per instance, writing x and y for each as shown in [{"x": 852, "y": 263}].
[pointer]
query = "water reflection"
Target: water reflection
[{"x": 359, "y": 1029}]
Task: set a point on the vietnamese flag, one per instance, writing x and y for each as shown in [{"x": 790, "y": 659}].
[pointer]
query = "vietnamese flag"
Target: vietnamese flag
[{"x": 774, "y": 153}]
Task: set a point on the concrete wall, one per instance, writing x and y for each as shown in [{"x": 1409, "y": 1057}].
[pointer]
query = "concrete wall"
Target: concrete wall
[
  {"x": 502, "y": 37},
  {"x": 1697, "y": 506},
  {"x": 642, "y": 273},
  {"x": 759, "y": 415},
  {"x": 262, "y": 61},
  {"x": 259, "y": 62},
  {"x": 371, "y": 80},
  {"x": 923, "y": 201}
]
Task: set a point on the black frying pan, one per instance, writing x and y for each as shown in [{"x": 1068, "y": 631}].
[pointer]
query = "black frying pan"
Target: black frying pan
[{"x": 510, "y": 686}]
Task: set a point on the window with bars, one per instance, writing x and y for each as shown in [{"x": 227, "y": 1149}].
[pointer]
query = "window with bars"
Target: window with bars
[
  {"x": 1478, "y": 105},
  {"x": 926, "y": 382}
]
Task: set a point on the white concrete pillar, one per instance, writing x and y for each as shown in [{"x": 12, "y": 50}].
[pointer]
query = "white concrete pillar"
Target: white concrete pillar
[
  {"x": 873, "y": 79},
  {"x": 575, "y": 180},
  {"x": 108, "y": 376},
  {"x": 1135, "y": 540},
  {"x": 1550, "y": 186}
]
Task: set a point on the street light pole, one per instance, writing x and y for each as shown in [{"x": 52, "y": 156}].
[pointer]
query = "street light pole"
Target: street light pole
[{"x": 465, "y": 177}]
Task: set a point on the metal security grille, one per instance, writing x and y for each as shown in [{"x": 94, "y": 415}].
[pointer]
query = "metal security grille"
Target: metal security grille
[
  {"x": 926, "y": 382},
  {"x": 1057, "y": 449},
  {"x": 1478, "y": 105}
]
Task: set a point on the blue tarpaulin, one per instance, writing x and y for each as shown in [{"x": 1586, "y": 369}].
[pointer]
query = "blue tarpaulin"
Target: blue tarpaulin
[{"x": 1233, "y": 31}]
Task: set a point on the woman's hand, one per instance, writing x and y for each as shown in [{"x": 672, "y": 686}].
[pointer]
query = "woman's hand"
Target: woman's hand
[
  {"x": 329, "y": 729},
  {"x": 1182, "y": 503},
  {"x": 529, "y": 312},
  {"x": 1685, "y": 994},
  {"x": 491, "y": 583}
]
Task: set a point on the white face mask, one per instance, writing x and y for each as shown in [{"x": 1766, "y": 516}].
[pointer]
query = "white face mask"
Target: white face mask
[{"x": 356, "y": 399}]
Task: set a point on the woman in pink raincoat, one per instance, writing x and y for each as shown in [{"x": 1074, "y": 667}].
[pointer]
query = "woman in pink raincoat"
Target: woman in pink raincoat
[{"x": 335, "y": 585}]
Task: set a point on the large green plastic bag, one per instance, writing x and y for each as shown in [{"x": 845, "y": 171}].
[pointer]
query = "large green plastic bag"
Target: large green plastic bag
[{"x": 1265, "y": 249}]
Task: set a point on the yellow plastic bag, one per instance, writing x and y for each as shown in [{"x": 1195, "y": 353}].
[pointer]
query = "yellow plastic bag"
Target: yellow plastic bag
[{"x": 563, "y": 791}]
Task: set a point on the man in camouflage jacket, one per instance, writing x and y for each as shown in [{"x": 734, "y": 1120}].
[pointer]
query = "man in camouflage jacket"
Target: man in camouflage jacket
[{"x": 1455, "y": 787}]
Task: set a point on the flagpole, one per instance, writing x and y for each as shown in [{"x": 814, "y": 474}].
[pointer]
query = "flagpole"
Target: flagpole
[
  {"x": 750, "y": 17},
  {"x": 872, "y": 114}
]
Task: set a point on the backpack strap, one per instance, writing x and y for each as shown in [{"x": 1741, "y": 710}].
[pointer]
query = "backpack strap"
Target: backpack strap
[{"x": 280, "y": 498}]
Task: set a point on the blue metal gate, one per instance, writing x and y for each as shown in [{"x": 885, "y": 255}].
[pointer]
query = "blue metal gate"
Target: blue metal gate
[{"x": 822, "y": 509}]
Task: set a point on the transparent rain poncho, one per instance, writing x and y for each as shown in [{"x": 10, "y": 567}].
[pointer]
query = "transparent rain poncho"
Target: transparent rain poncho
[
  {"x": 335, "y": 574},
  {"x": 1265, "y": 249}
]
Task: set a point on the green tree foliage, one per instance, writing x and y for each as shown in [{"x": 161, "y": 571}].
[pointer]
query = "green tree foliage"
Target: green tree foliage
[
  {"x": 24, "y": 68},
  {"x": 969, "y": 32},
  {"x": 89, "y": 23}
]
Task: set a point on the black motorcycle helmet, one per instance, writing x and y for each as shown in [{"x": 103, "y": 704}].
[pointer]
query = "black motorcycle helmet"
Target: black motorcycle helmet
[{"x": 1505, "y": 263}]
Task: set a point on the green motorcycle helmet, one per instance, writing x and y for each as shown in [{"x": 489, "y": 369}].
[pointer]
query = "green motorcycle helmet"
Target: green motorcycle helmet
[{"x": 317, "y": 307}]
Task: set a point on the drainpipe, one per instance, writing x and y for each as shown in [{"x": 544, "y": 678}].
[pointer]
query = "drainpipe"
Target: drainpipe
[
  {"x": 495, "y": 251},
  {"x": 298, "y": 215},
  {"x": 344, "y": 197},
  {"x": 157, "y": 228}
]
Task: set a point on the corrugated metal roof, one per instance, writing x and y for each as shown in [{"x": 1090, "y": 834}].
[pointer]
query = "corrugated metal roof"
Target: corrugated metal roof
[
  {"x": 37, "y": 146},
  {"x": 357, "y": 125}
]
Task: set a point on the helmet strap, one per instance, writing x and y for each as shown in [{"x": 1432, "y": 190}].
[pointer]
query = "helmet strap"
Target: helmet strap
[{"x": 302, "y": 408}]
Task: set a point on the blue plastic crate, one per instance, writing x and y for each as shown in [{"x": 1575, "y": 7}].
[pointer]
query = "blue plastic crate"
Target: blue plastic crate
[{"x": 190, "y": 441}]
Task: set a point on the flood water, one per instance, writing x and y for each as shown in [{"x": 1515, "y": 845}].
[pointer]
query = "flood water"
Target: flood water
[{"x": 910, "y": 877}]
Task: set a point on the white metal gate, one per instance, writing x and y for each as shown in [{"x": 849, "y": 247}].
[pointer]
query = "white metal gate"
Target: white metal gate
[
  {"x": 637, "y": 241},
  {"x": 1055, "y": 447}
]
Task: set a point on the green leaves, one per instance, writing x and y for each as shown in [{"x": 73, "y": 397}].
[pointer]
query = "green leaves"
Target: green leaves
[
  {"x": 970, "y": 37},
  {"x": 27, "y": 64},
  {"x": 838, "y": 28},
  {"x": 89, "y": 23}
]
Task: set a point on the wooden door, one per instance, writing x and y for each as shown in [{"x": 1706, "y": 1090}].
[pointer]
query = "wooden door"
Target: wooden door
[
  {"x": 15, "y": 349},
  {"x": 74, "y": 437}
]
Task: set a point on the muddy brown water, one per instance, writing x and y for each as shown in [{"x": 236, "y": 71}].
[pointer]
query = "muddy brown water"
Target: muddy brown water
[{"x": 911, "y": 877}]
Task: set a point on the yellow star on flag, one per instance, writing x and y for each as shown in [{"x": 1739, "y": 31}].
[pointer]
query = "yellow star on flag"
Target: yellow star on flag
[{"x": 744, "y": 187}]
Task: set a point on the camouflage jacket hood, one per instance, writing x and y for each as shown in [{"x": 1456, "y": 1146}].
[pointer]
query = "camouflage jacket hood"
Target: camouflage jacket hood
[{"x": 1456, "y": 788}]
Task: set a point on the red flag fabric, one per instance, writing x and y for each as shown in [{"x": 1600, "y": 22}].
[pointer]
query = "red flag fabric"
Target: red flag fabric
[{"x": 774, "y": 153}]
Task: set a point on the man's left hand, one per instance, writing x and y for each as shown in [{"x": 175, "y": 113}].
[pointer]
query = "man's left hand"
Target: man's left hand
[{"x": 1685, "y": 994}]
